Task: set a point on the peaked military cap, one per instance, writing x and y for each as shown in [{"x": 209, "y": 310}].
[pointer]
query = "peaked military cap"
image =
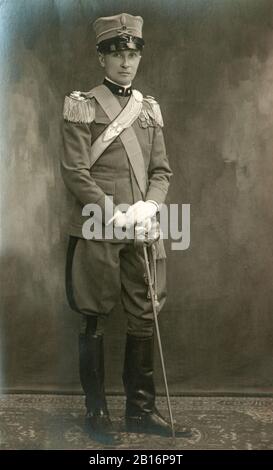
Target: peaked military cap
[{"x": 119, "y": 32}]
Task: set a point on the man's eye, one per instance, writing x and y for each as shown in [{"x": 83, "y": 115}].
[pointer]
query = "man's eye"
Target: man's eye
[{"x": 135, "y": 55}]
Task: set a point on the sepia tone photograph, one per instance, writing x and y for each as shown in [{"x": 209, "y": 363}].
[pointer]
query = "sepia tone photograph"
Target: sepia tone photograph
[{"x": 136, "y": 142}]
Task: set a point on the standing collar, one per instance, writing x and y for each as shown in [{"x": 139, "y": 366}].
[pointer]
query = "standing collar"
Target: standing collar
[{"x": 118, "y": 89}]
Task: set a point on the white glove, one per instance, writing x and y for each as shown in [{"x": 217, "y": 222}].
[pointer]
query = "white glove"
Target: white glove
[
  {"x": 141, "y": 211},
  {"x": 120, "y": 219},
  {"x": 146, "y": 225}
]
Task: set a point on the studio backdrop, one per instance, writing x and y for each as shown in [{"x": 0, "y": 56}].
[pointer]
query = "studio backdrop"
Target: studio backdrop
[{"x": 209, "y": 63}]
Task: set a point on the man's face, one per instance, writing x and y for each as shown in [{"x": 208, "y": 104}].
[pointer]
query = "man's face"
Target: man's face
[{"x": 121, "y": 66}]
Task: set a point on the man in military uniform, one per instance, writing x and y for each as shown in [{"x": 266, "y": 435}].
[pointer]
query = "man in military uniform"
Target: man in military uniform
[{"x": 114, "y": 153}]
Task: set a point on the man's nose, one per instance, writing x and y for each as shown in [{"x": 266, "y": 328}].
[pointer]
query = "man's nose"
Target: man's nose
[{"x": 125, "y": 62}]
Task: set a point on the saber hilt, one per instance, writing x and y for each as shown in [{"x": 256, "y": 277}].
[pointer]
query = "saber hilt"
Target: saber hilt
[{"x": 147, "y": 235}]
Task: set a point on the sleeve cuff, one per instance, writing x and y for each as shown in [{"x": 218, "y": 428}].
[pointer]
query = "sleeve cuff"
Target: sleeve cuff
[{"x": 155, "y": 203}]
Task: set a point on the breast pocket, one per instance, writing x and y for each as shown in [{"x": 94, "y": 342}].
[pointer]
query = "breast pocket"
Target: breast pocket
[
  {"x": 102, "y": 120},
  {"x": 98, "y": 125}
]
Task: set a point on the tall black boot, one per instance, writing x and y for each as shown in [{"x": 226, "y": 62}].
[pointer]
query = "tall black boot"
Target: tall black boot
[
  {"x": 138, "y": 377},
  {"x": 98, "y": 423}
]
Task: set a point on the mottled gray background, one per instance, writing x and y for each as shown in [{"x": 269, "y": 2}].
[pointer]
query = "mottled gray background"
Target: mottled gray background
[{"x": 210, "y": 65}]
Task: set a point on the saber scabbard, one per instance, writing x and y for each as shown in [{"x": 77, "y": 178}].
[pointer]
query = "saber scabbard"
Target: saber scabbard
[{"x": 150, "y": 247}]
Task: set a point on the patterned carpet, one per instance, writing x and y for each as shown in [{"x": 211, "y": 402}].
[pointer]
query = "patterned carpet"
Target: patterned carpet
[{"x": 56, "y": 422}]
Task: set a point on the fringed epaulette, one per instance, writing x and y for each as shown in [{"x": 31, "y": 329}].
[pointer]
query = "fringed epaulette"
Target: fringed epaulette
[
  {"x": 78, "y": 108},
  {"x": 151, "y": 113}
]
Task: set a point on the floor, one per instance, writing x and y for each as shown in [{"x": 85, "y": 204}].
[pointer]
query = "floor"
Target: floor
[{"x": 56, "y": 422}]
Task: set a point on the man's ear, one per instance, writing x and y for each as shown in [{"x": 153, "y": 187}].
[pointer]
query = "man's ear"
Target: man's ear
[{"x": 101, "y": 59}]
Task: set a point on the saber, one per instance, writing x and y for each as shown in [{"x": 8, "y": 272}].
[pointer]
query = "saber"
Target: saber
[{"x": 154, "y": 301}]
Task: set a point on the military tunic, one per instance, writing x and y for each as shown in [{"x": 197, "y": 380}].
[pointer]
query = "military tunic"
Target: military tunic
[{"x": 98, "y": 272}]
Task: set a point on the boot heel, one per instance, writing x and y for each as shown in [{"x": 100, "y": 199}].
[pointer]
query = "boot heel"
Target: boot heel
[{"x": 97, "y": 422}]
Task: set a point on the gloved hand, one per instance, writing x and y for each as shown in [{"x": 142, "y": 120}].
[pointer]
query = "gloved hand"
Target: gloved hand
[
  {"x": 145, "y": 225},
  {"x": 141, "y": 211},
  {"x": 119, "y": 219},
  {"x": 147, "y": 232}
]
